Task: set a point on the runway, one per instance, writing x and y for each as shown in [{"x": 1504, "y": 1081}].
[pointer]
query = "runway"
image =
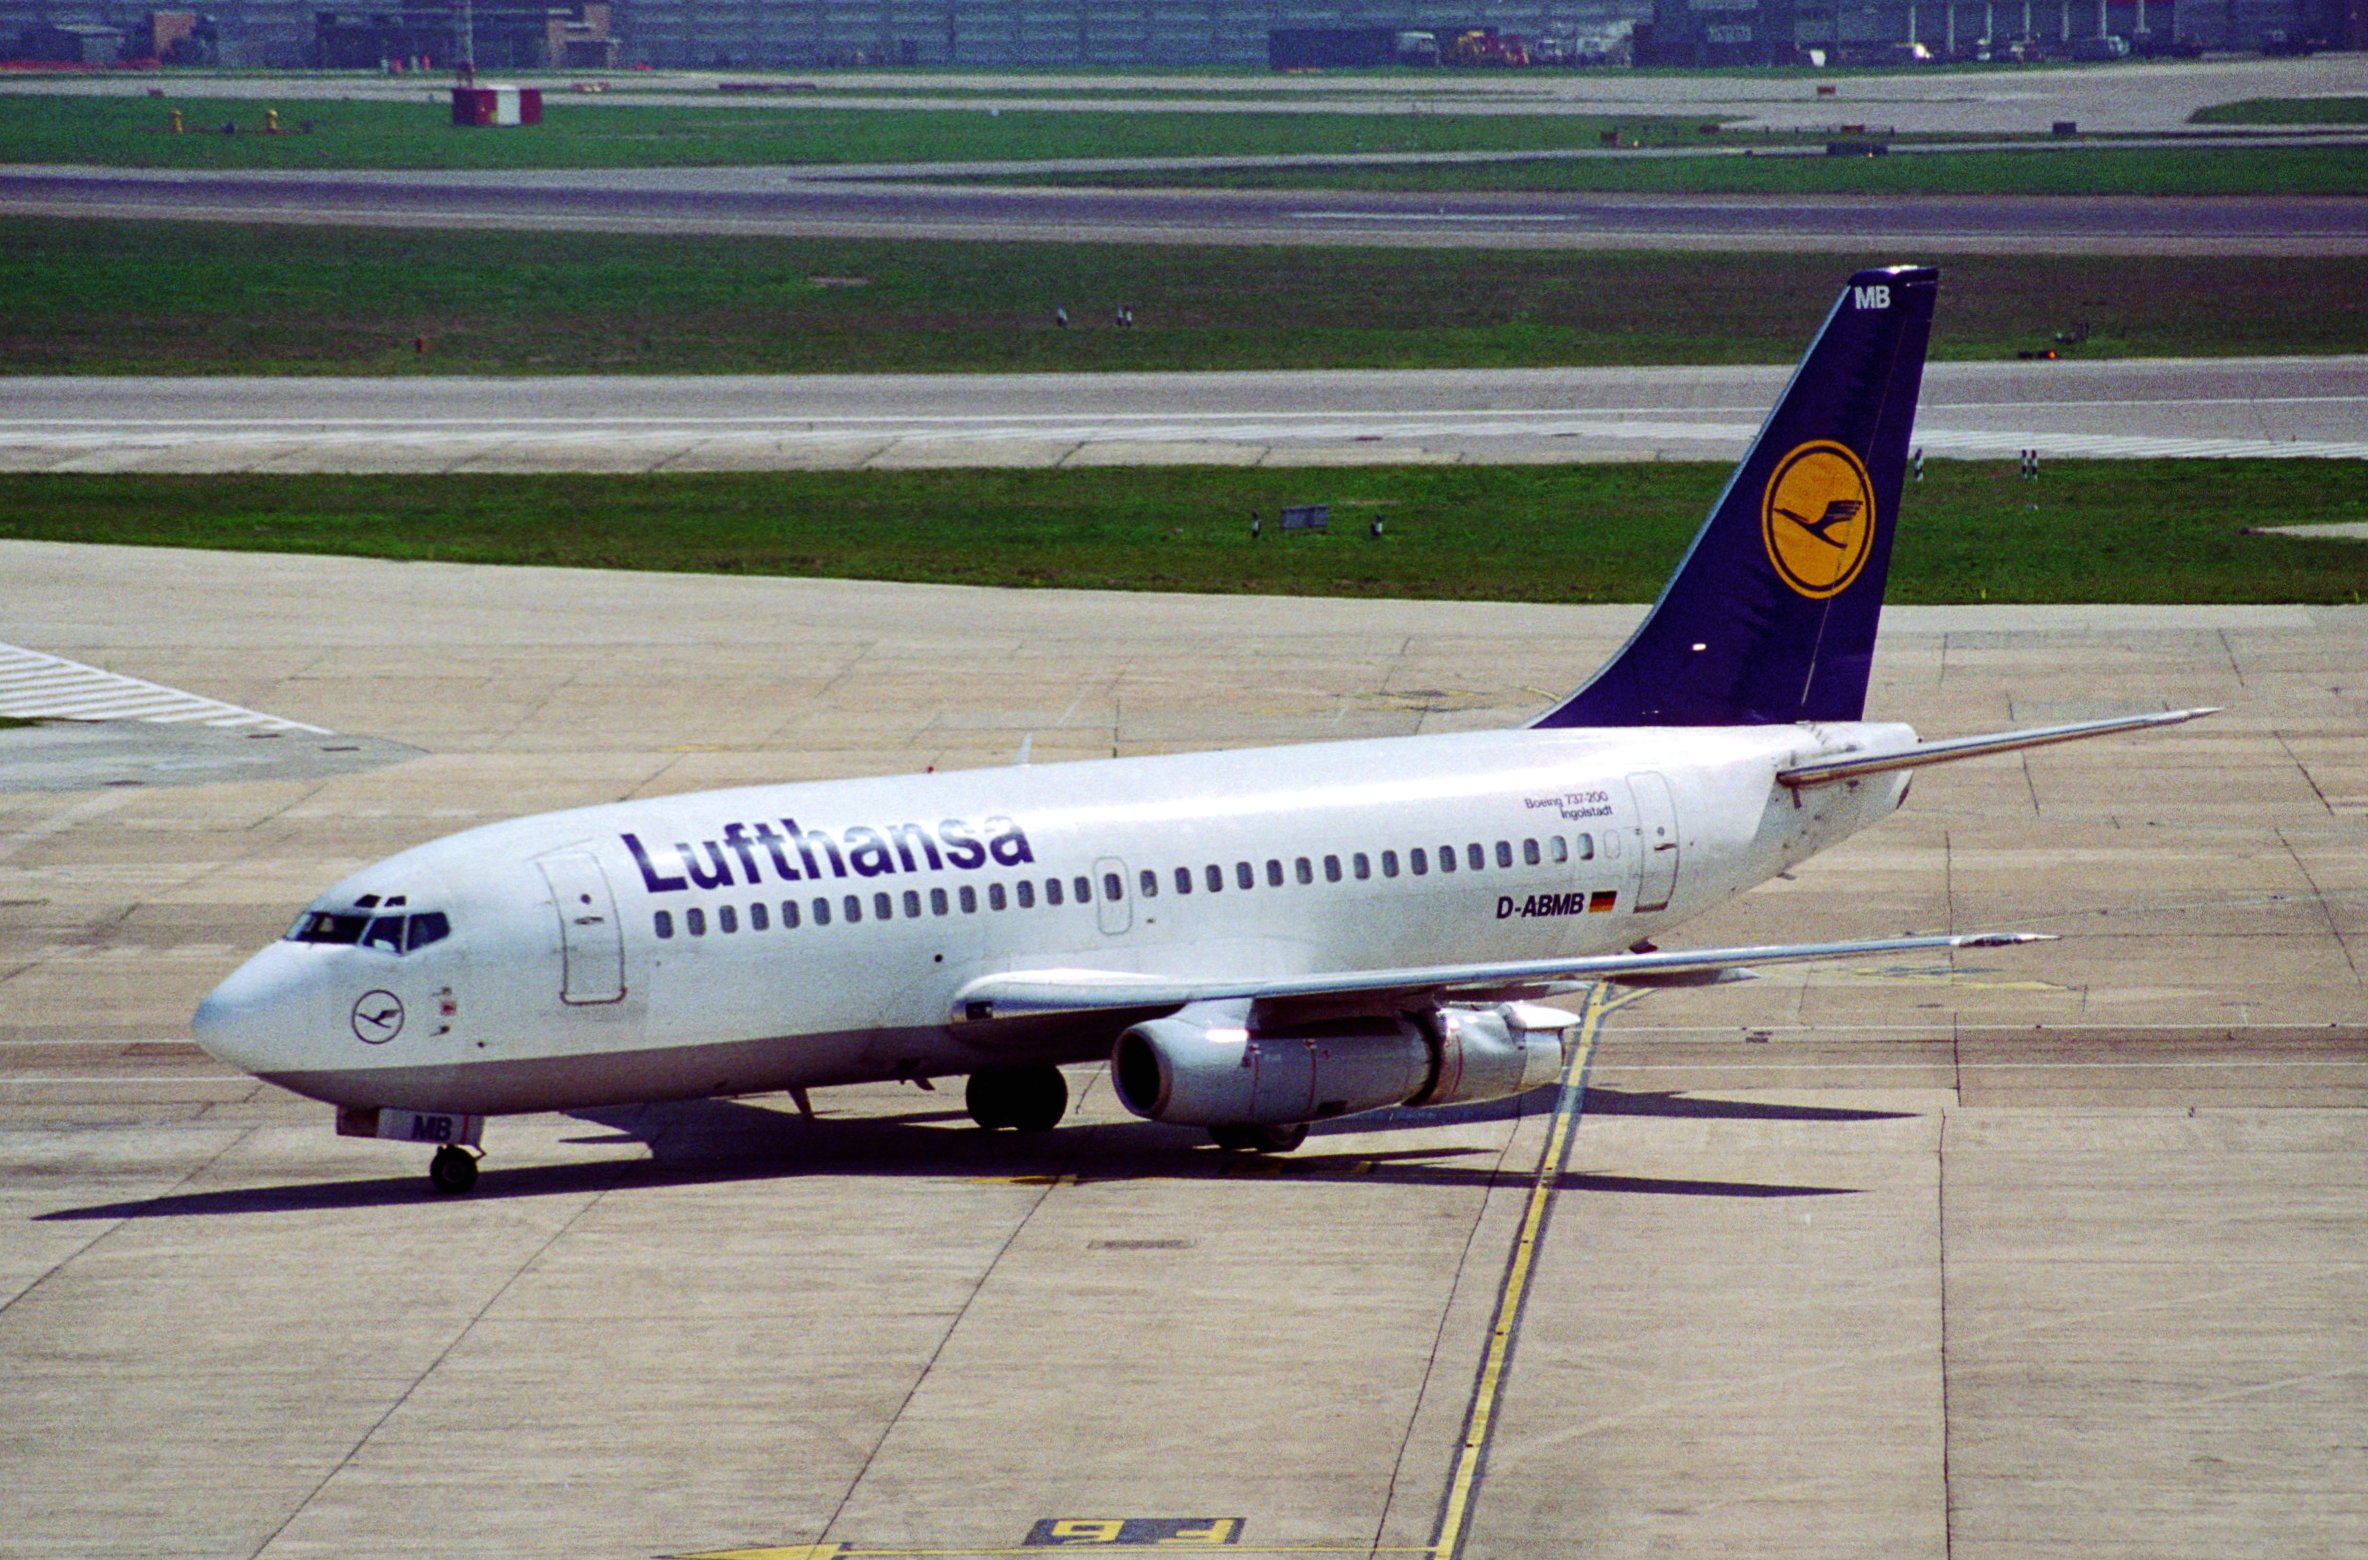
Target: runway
[
  {"x": 2053, "y": 1251},
  {"x": 781, "y": 202},
  {"x": 2146, "y": 408}
]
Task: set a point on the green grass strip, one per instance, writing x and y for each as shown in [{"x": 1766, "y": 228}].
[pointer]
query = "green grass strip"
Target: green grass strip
[
  {"x": 204, "y": 298},
  {"x": 2087, "y": 169},
  {"x": 612, "y": 133},
  {"x": 2285, "y": 111},
  {"x": 2087, "y": 531}
]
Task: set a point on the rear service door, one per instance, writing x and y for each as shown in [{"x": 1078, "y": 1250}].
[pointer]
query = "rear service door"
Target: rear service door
[
  {"x": 1656, "y": 828},
  {"x": 591, "y": 940}
]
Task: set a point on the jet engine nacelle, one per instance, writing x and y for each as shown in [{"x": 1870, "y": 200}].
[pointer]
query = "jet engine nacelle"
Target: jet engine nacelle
[
  {"x": 1211, "y": 1070},
  {"x": 1494, "y": 1053}
]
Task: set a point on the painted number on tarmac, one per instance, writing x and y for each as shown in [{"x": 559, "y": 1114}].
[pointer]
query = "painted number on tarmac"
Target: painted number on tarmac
[{"x": 1173, "y": 1532}]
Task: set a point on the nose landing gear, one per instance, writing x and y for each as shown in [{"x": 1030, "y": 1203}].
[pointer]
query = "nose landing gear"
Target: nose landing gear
[{"x": 453, "y": 1170}]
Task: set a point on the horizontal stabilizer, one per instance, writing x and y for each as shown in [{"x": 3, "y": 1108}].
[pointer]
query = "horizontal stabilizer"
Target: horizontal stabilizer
[
  {"x": 1035, "y": 993},
  {"x": 1854, "y": 766}
]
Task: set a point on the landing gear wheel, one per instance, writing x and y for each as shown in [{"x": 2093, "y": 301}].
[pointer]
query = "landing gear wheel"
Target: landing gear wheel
[
  {"x": 1256, "y": 1138},
  {"x": 453, "y": 1171},
  {"x": 1025, "y": 1099}
]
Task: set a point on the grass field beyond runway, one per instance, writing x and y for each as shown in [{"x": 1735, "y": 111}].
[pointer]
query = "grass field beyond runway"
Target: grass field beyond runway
[
  {"x": 202, "y": 298},
  {"x": 2087, "y": 531}
]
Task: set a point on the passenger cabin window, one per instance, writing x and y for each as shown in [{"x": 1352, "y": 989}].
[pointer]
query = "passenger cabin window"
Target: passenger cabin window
[
  {"x": 1274, "y": 873},
  {"x": 663, "y": 924},
  {"x": 1216, "y": 877},
  {"x": 967, "y": 897},
  {"x": 1026, "y": 893},
  {"x": 1419, "y": 860},
  {"x": 1504, "y": 853},
  {"x": 1447, "y": 858},
  {"x": 1362, "y": 865},
  {"x": 695, "y": 922},
  {"x": 727, "y": 919},
  {"x": 1183, "y": 880},
  {"x": 937, "y": 902},
  {"x": 1475, "y": 857},
  {"x": 882, "y": 910},
  {"x": 1557, "y": 848},
  {"x": 822, "y": 912},
  {"x": 1529, "y": 852},
  {"x": 1331, "y": 869},
  {"x": 995, "y": 899},
  {"x": 912, "y": 903},
  {"x": 1304, "y": 870},
  {"x": 757, "y": 920},
  {"x": 852, "y": 907},
  {"x": 1052, "y": 891},
  {"x": 1243, "y": 876},
  {"x": 1389, "y": 863},
  {"x": 1586, "y": 846},
  {"x": 1150, "y": 883},
  {"x": 789, "y": 915},
  {"x": 1112, "y": 888},
  {"x": 1085, "y": 889}
]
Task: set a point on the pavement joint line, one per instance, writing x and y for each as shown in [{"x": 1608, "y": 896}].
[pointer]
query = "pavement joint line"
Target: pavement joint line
[
  {"x": 922, "y": 1375},
  {"x": 238, "y": 1137},
  {"x": 457, "y": 1339},
  {"x": 1471, "y": 1463}
]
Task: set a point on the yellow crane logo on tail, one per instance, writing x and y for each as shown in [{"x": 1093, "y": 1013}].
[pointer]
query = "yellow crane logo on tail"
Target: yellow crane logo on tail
[{"x": 1818, "y": 518}]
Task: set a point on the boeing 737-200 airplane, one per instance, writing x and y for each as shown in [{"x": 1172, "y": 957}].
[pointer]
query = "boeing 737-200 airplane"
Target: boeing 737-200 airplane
[{"x": 1256, "y": 940}]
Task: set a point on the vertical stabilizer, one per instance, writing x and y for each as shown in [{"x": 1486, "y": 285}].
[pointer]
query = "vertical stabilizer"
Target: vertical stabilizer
[{"x": 1771, "y": 616}]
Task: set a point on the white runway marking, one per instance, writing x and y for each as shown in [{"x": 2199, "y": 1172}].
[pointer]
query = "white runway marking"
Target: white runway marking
[{"x": 37, "y": 686}]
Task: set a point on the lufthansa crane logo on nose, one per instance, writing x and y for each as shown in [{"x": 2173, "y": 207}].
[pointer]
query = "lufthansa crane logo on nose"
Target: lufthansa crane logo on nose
[
  {"x": 378, "y": 1017},
  {"x": 1818, "y": 518}
]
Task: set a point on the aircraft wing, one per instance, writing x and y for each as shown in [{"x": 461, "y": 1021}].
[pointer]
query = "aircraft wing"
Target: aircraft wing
[{"x": 1035, "y": 993}]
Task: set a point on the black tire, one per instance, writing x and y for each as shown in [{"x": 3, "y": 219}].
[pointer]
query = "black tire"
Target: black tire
[
  {"x": 1257, "y": 1138},
  {"x": 453, "y": 1171},
  {"x": 1024, "y": 1099},
  {"x": 1039, "y": 1098},
  {"x": 987, "y": 1100}
]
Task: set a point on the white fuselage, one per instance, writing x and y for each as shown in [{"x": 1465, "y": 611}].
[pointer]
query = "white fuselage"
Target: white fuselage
[{"x": 783, "y": 936}]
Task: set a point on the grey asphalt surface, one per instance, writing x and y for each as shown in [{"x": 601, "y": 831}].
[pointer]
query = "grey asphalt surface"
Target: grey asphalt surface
[
  {"x": 2132, "y": 97},
  {"x": 2150, "y": 408},
  {"x": 776, "y": 201}
]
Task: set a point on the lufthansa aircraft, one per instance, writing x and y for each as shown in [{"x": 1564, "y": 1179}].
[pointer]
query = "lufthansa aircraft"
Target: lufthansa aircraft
[{"x": 1255, "y": 940}]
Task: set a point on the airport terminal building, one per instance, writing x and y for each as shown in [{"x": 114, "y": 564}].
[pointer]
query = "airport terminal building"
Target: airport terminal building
[{"x": 1025, "y": 34}]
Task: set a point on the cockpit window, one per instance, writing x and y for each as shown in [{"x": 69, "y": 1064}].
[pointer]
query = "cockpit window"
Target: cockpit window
[
  {"x": 397, "y": 934},
  {"x": 325, "y": 926}
]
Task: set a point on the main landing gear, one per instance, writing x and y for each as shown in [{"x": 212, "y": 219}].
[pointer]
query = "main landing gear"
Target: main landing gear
[
  {"x": 1257, "y": 1138},
  {"x": 1025, "y": 1099},
  {"x": 453, "y": 1170}
]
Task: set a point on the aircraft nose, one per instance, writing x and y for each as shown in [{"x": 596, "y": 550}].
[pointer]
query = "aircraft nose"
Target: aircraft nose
[{"x": 257, "y": 1019}]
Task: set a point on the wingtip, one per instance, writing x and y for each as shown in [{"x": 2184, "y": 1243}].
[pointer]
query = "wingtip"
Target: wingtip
[{"x": 2005, "y": 939}]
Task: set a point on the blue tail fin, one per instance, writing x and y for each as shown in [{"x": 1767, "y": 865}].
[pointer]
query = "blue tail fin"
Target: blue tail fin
[{"x": 1771, "y": 617}]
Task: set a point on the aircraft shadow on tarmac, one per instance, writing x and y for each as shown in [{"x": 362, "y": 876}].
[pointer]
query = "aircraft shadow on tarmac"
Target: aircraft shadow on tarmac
[{"x": 699, "y": 1142}]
